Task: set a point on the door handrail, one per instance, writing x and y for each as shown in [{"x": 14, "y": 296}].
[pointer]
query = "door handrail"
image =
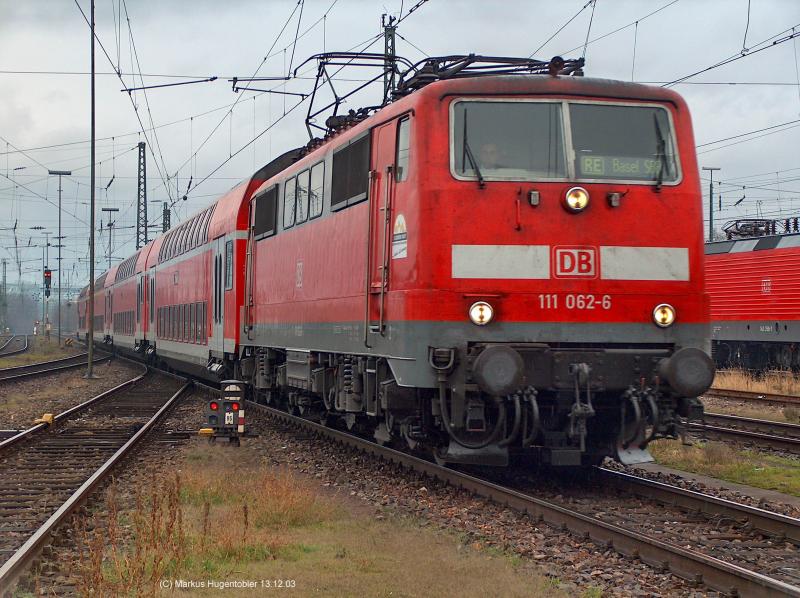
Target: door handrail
[{"x": 373, "y": 177}]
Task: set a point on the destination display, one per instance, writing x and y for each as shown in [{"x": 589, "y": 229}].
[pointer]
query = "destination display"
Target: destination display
[{"x": 619, "y": 167}]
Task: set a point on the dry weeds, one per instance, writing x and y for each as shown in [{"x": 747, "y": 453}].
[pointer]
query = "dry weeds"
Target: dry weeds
[{"x": 774, "y": 382}]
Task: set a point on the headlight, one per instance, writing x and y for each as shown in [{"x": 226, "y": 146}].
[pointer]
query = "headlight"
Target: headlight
[
  {"x": 481, "y": 313},
  {"x": 664, "y": 315},
  {"x": 576, "y": 199}
]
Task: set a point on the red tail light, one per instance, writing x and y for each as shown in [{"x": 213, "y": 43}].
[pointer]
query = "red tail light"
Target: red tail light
[
  {"x": 235, "y": 406},
  {"x": 214, "y": 406}
]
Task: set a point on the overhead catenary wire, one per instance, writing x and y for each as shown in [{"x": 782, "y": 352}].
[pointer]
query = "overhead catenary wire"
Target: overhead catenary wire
[
  {"x": 618, "y": 29},
  {"x": 239, "y": 97},
  {"x": 560, "y": 29},
  {"x": 759, "y": 47},
  {"x": 748, "y": 133},
  {"x": 144, "y": 93},
  {"x": 164, "y": 180},
  {"x": 713, "y": 149},
  {"x": 589, "y": 29}
]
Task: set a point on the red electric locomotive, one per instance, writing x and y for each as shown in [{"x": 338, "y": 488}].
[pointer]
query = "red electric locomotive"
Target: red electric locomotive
[
  {"x": 497, "y": 264},
  {"x": 755, "y": 308}
]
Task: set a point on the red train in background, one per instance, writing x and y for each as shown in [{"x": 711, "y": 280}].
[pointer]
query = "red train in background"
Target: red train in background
[
  {"x": 504, "y": 262},
  {"x": 752, "y": 280}
]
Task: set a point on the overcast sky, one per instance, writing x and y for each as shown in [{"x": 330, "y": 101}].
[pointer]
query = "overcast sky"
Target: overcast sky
[{"x": 44, "y": 93}]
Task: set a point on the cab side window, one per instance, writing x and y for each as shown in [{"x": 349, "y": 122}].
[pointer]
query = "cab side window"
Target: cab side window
[
  {"x": 289, "y": 203},
  {"x": 316, "y": 190},
  {"x": 302, "y": 196},
  {"x": 403, "y": 149}
]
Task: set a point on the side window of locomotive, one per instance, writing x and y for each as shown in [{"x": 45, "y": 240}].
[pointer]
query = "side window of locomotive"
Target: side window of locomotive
[
  {"x": 507, "y": 140},
  {"x": 266, "y": 208},
  {"x": 289, "y": 202},
  {"x": 302, "y": 196},
  {"x": 632, "y": 143},
  {"x": 229, "y": 265},
  {"x": 350, "y": 177},
  {"x": 316, "y": 190},
  {"x": 403, "y": 146}
]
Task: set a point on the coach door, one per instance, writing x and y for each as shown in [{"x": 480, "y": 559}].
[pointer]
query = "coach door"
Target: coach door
[
  {"x": 215, "y": 343},
  {"x": 152, "y": 331},
  {"x": 138, "y": 332},
  {"x": 380, "y": 198}
]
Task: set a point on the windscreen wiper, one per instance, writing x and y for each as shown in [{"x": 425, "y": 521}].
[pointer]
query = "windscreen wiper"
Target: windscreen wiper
[
  {"x": 472, "y": 160},
  {"x": 661, "y": 154}
]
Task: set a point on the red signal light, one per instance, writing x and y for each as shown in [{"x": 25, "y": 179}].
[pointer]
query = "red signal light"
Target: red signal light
[
  {"x": 214, "y": 405},
  {"x": 235, "y": 406}
]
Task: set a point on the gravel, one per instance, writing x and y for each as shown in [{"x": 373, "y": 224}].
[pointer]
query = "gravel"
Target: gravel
[
  {"x": 24, "y": 400},
  {"x": 573, "y": 564},
  {"x": 689, "y": 484}
]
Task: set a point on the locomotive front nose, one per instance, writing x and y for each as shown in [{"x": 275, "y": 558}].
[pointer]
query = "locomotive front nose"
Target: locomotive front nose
[{"x": 689, "y": 371}]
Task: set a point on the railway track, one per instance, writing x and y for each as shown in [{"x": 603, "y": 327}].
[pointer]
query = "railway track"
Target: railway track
[
  {"x": 14, "y": 345},
  {"x": 745, "y": 395},
  {"x": 679, "y": 557},
  {"x": 46, "y": 475},
  {"x": 777, "y": 435},
  {"x": 47, "y": 367}
]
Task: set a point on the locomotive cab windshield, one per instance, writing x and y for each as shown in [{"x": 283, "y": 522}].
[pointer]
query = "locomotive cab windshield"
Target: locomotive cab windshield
[{"x": 525, "y": 140}]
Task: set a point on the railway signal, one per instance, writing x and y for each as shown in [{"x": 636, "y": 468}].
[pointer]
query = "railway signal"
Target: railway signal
[
  {"x": 48, "y": 277},
  {"x": 225, "y": 415}
]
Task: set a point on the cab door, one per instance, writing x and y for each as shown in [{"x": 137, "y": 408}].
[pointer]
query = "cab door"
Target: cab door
[
  {"x": 216, "y": 342},
  {"x": 381, "y": 195}
]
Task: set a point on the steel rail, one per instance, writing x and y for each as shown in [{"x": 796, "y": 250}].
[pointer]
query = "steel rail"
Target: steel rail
[
  {"x": 35, "y": 369},
  {"x": 774, "y": 441},
  {"x": 21, "y": 560},
  {"x": 4, "y": 353},
  {"x": 756, "y": 425},
  {"x": 17, "y": 438},
  {"x": 5, "y": 344},
  {"x": 746, "y": 395},
  {"x": 772, "y": 524},
  {"x": 683, "y": 562}
]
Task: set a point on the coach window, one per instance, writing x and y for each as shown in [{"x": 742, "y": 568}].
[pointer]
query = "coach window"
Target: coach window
[
  {"x": 315, "y": 191},
  {"x": 302, "y": 196},
  {"x": 203, "y": 316},
  {"x": 289, "y": 202},
  {"x": 229, "y": 265},
  {"x": 198, "y": 222},
  {"x": 350, "y": 176},
  {"x": 192, "y": 233},
  {"x": 191, "y": 327},
  {"x": 196, "y": 331},
  {"x": 207, "y": 223},
  {"x": 401, "y": 157},
  {"x": 265, "y": 207},
  {"x": 184, "y": 238}
]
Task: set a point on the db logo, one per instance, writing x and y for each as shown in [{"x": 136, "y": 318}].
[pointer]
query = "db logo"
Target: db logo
[{"x": 575, "y": 262}]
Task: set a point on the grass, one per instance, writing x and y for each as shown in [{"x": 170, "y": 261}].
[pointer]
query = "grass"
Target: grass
[
  {"x": 39, "y": 350},
  {"x": 229, "y": 516},
  {"x": 770, "y": 382},
  {"x": 718, "y": 460}
]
